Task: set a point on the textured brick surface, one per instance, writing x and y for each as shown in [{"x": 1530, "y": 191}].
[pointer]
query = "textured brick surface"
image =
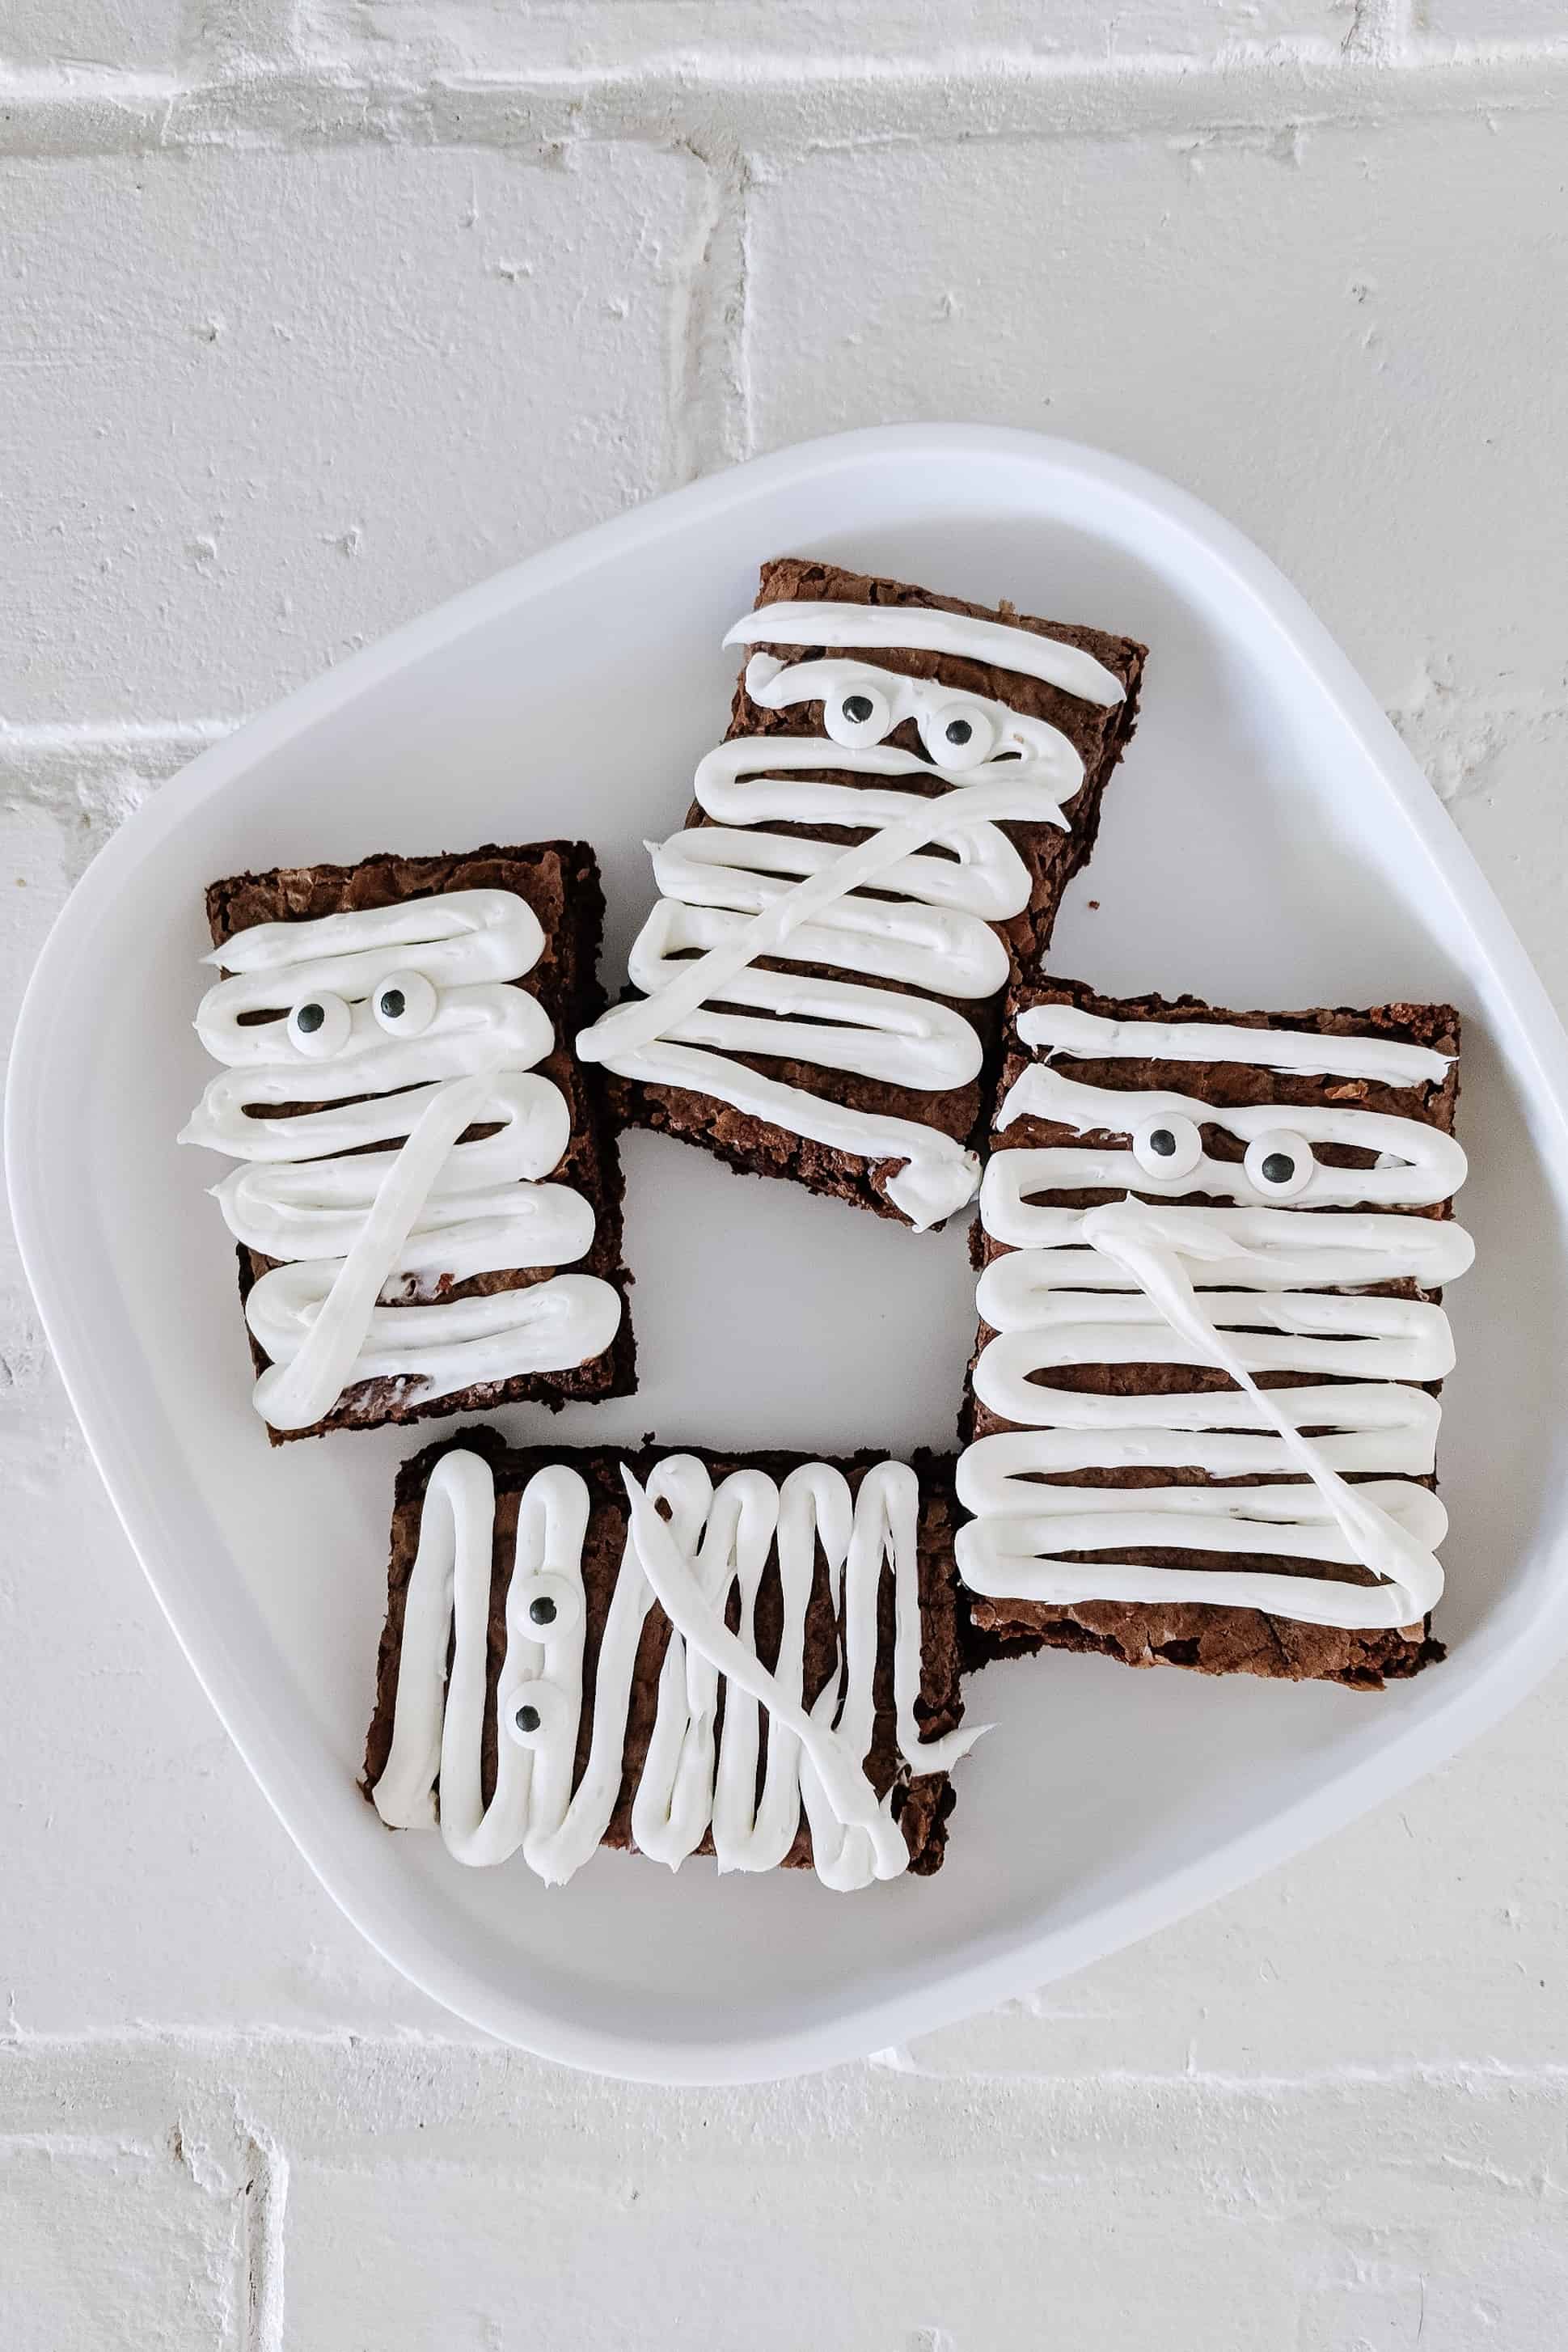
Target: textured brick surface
[
  {"x": 1384, "y": 2214},
  {"x": 381, "y": 2194},
  {"x": 110, "y": 2238},
  {"x": 1525, "y": 21},
  {"x": 1272, "y": 318},
  {"x": 315, "y": 313},
  {"x": 473, "y": 37},
  {"x": 254, "y": 346},
  {"x": 77, "y": 37}
]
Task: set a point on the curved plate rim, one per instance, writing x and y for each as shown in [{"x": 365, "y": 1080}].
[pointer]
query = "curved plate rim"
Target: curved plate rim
[{"x": 1495, "y": 1685}]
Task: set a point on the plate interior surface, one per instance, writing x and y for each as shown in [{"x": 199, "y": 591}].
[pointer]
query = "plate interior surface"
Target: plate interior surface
[{"x": 1267, "y": 843}]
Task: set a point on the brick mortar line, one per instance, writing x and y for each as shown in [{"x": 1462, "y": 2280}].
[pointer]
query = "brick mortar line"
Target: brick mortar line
[
  {"x": 414, "y": 2051},
  {"x": 707, "y": 411},
  {"x": 266, "y": 2195},
  {"x": 1381, "y": 36},
  {"x": 779, "y": 105},
  {"x": 1381, "y": 30},
  {"x": 404, "y": 2101},
  {"x": 113, "y": 738},
  {"x": 260, "y": 2102}
]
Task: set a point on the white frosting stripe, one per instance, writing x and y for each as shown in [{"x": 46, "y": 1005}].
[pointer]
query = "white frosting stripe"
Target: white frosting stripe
[
  {"x": 737, "y": 896},
  {"x": 713, "y": 1543},
  {"x": 1370, "y": 1427},
  {"x": 994, "y": 643},
  {"x": 1282, "y": 1519},
  {"x": 438, "y": 1720},
  {"x": 996, "y": 1553},
  {"x": 1335, "y": 1338},
  {"x": 448, "y": 1344},
  {"x": 770, "y": 931},
  {"x": 530, "y": 1108},
  {"x": 879, "y": 1847},
  {"x": 293, "y": 1394},
  {"x": 1064, "y": 1029},
  {"x": 473, "y": 1030},
  {"x": 396, "y": 1022},
  {"x": 458, "y": 935},
  {"x": 1245, "y": 1289},
  {"x": 1263, "y": 1249},
  {"x": 1418, "y": 1165},
  {"x": 940, "y": 1177},
  {"x": 1135, "y": 1237}
]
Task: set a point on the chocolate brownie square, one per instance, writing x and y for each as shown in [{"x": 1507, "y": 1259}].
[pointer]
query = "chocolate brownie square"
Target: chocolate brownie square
[
  {"x": 1294, "y": 1173},
  {"x": 526, "y": 1695},
  {"x": 880, "y": 843},
  {"x": 357, "y": 1001}
]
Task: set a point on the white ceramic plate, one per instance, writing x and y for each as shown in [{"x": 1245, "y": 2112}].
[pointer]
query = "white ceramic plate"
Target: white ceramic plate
[{"x": 1267, "y": 842}]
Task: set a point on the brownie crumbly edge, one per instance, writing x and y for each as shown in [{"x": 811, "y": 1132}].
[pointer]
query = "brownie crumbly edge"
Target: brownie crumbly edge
[
  {"x": 1100, "y": 735},
  {"x": 1217, "y": 1638},
  {"x": 923, "y": 1801},
  {"x": 560, "y": 881}
]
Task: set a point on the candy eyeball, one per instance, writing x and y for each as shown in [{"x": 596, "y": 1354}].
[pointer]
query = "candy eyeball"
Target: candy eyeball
[
  {"x": 545, "y": 1607},
  {"x": 530, "y": 1711},
  {"x": 319, "y": 1026},
  {"x": 857, "y": 713},
  {"x": 960, "y": 734},
  {"x": 1168, "y": 1146},
  {"x": 404, "y": 1003},
  {"x": 1280, "y": 1164}
]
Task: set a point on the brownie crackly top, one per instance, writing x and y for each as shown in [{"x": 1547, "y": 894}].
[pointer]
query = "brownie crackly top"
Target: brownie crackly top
[
  {"x": 830, "y": 1562},
  {"x": 357, "y": 1005},
  {"x": 866, "y": 706},
  {"x": 1183, "y": 1202}
]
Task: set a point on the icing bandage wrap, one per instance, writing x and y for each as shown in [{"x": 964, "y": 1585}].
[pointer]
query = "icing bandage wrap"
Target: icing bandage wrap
[
  {"x": 361, "y": 1048},
  {"x": 1282, "y": 1299},
  {"x": 740, "y": 1755},
  {"x": 776, "y": 938}
]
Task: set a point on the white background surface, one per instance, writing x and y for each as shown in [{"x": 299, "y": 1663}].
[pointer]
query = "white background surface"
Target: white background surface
[{"x": 314, "y": 316}]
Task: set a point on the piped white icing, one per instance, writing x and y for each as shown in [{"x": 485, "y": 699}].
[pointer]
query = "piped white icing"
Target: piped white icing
[
  {"x": 1137, "y": 1281},
  {"x": 370, "y": 1238},
  {"x": 994, "y": 643},
  {"x": 714, "y": 1545},
  {"x": 1065, "y": 1029},
  {"x": 736, "y": 893}
]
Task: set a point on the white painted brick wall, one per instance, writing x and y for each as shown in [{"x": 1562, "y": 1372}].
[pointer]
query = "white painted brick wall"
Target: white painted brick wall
[
  {"x": 471, "y": 36},
  {"x": 1529, "y": 22},
  {"x": 253, "y": 354},
  {"x": 313, "y": 314},
  {"x": 113, "y": 2239},
  {"x": 84, "y": 37},
  {"x": 1183, "y": 287}
]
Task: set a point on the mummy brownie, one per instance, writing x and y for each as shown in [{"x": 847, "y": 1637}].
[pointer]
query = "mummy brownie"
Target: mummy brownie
[
  {"x": 1204, "y": 1407},
  {"x": 418, "y": 1157},
  {"x": 753, "y": 1658},
  {"x": 880, "y": 841}
]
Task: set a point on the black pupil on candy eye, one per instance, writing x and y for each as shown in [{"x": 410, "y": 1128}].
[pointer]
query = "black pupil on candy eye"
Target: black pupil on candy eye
[
  {"x": 309, "y": 1018},
  {"x": 1162, "y": 1141},
  {"x": 958, "y": 730},
  {"x": 542, "y": 1611},
  {"x": 392, "y": 1003},
  {"x": 1279, "y": 1168},
  {"x": 528, "y": 1718},
  {"x": 857, "y": 708}
]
